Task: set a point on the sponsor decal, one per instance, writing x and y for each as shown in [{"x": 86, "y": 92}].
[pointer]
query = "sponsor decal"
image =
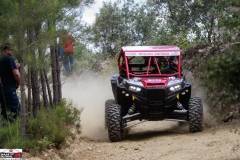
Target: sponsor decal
[
  {"x": 11, "y": 154},
  {"x": 162, "y": 53}
]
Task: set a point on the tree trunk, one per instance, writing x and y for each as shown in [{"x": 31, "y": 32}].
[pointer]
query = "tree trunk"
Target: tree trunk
[
  {"x": 42, "y": 78},
  {"x": 23, "y": 112},
  {"x": 34, "y": 75},
  {"x": 20, "y": 38},
  {"x": 58, "y": 71},
  {"x": 35, "y": 91},
  {"x": 44, "y": 91},
  {"x": 56, "y": 78},
  {"x": 48, "y": 87},
  {"x": 29, "y": 86},
  {"x": 210, "y": 30},
  {"x": 54, "y": 75}
]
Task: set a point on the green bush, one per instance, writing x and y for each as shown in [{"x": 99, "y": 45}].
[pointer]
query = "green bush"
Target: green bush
[
  {"x": 221, "y": 77},
  {"x": 48, "y": 129}
]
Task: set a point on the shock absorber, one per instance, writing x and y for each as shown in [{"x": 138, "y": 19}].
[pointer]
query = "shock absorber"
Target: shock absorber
[
  {"x": 179, "y": 105},
  {"x": 132, "y": 109}
]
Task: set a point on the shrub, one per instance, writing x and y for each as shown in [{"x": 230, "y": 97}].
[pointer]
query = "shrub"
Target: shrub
[
  {"x": 48, "y": 129},
  {"x": 221, "y": 77}
]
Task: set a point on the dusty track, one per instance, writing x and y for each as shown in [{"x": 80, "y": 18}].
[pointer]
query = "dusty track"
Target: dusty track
[
  {"x": 158, "y": 141},
  {"x": 166, "y": 141}
]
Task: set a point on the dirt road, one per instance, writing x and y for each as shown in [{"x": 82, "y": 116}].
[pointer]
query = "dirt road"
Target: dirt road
[
  {"x": 158, "y": 141},
  {"x": 166, "y": 141}
]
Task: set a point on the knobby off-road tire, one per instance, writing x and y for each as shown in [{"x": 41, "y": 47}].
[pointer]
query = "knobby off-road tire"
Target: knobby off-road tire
[
  {"x": 195, "y": 114},
  {"x": 113, "y": 121}
]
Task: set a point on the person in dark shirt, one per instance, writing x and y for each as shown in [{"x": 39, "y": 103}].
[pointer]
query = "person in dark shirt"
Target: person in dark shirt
[{"x": 9, "y": 82}]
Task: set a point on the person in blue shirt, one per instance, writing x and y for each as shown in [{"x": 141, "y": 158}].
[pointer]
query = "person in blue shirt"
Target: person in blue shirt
[{"x": 9, "y": 82}]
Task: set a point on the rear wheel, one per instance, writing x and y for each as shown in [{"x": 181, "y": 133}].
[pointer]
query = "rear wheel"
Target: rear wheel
[
  {"x": 113, "y": 120},
  {"x": 195, "y": 114}
]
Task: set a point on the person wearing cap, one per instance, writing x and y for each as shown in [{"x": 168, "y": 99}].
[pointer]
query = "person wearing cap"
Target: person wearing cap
[{"x": 9, "y": 82}]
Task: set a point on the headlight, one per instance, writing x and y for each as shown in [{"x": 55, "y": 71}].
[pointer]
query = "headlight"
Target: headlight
[
  {"x": 134, "y": 89},
  {"x": 175, "y": 88}
]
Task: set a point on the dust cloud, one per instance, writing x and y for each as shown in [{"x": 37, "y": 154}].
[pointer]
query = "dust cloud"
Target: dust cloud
[
  {"x": 198, "y": 91},
  {"x": 88, "y": 92}
]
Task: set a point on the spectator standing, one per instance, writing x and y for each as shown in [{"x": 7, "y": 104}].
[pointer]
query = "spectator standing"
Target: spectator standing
[
  {"x": 68, "y": 60},
  {"x": 9, "y": 82}
]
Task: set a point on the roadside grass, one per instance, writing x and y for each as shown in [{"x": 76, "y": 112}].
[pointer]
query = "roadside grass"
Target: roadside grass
[{"x": 48, "y": 129}]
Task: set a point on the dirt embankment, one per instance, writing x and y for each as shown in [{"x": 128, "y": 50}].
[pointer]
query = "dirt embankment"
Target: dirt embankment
[{"x": 147, "y": 141}]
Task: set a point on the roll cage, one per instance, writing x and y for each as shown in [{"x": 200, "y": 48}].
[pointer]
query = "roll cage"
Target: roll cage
[{"x": 150, "y": 61}]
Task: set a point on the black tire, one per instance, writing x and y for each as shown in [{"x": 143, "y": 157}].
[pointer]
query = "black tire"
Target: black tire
[
  {"x": 113, "y": 121},
  {"x": 108, "y": 103},
  {"x": 195, "y": 114}
]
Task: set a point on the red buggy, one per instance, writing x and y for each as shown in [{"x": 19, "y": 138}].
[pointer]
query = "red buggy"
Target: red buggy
[{"x": 150, "y": 86}]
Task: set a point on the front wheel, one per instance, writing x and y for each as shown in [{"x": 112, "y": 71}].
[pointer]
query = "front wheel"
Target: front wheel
[
  {"x": 195, "y": 114},
  {"x": 113, "y": 120}
]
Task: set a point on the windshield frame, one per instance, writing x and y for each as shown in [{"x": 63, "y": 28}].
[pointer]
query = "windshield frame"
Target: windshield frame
[{"x": 124, "y": 63}]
